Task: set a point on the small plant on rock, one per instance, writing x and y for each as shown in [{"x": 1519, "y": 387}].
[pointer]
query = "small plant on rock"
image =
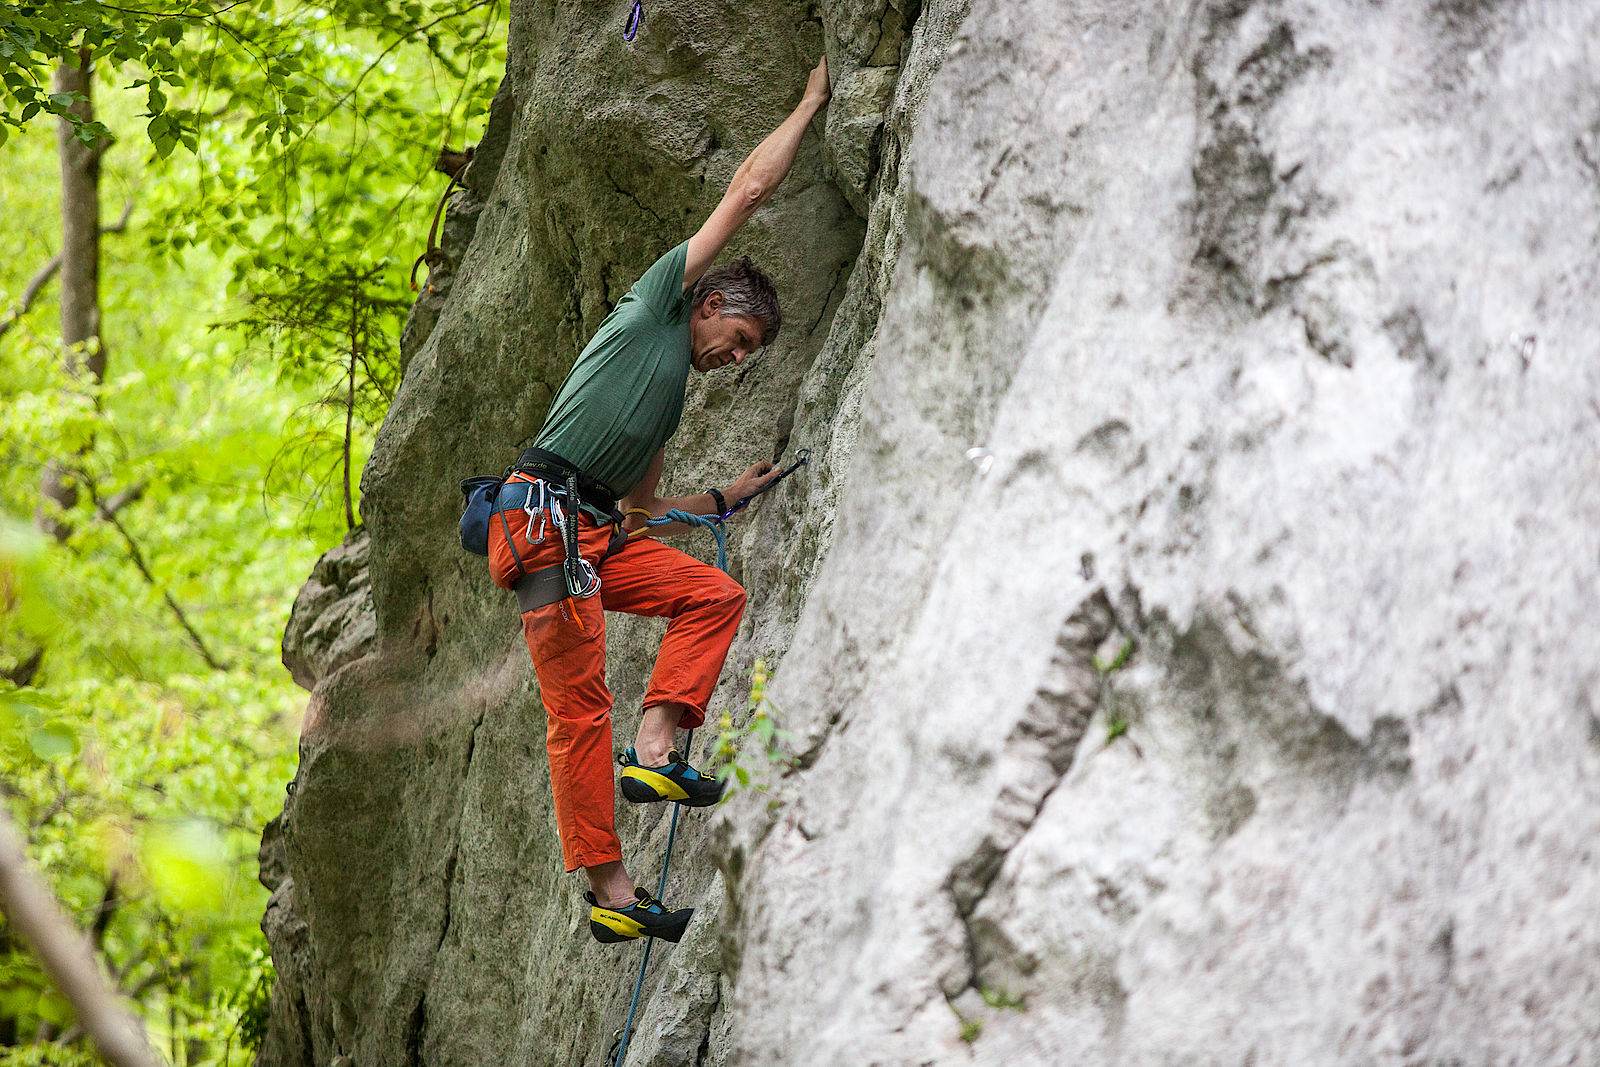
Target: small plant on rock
[
  {"x": 761, "y": 731},
  {"x": 1116, "y": 722},
  {"x": 1116, "y": 726},
  {"x": 1003, "y": 999},
  {"x": 1117, "y": 662}
]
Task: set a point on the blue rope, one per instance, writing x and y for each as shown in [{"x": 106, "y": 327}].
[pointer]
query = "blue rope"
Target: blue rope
[
  {"x": 649, "y": 942},
  {"x": 714, "y": 524},
  {"x": 710, "y": 522}
]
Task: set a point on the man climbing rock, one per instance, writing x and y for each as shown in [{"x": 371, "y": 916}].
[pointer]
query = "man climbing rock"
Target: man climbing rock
[{"x": 602, "y": 442}]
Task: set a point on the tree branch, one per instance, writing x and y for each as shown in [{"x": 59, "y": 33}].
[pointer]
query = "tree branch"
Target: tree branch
[
  {"x": 398, "y": 41},
  {"x": 122, "y": 222},
  {"x": 109, "y": 902},
  {"x": 117, "y": 501},
  {"x": 31, "y": 293},
  {"x": 144, "y": 569},
  {"x": 35, "y": 914},
  {"x": 24, "y": 672},
  {"x": 49, "y": 271}
]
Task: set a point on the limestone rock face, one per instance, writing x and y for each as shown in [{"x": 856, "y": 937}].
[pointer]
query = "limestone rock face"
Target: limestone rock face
[
  {"x": 1187, "y": 625},
  {"x": 331, "y": 623}
]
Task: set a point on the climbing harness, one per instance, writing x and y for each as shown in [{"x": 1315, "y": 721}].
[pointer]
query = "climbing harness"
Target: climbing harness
[
  {"x": 635, "y": 18},
  {"x": 554, "y": 495},
  {"x": 714, "y": 523}
]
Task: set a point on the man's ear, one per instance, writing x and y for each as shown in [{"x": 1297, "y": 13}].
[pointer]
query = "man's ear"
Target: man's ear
[{"x": 712, "y": 305}]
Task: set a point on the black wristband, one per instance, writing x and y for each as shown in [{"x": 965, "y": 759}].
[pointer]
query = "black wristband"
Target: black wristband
[{"x": 722, "y": 504}]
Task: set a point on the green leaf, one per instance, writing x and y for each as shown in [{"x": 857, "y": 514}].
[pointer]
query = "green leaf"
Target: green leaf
[
  {"x": 187, "y": 864},
  {"x": 64, "y": 100},
  {"x": 54, "y": 1008},
  {"x": 53, "y": 740}
]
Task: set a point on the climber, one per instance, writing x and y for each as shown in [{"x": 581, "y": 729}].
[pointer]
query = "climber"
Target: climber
[{"x": 604, "y": 434}]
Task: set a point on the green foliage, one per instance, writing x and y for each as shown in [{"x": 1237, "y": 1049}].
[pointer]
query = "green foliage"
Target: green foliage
[
  {"x": 1116, "y": 726},
  {"x": 143, "y": 802},
  {"x": 252, "y": 1002},
  {"x": 49, "y": 1056},
  {"x": 309, "y": 135},
  {"x": 339, "y": 325},
  {"x": 256, "y": 57},
  {"x": 141, "y": 777},
  {"x": 758, "y": 736},
  {"x": 1002, "y": 999},
  {"x": 1116, "y": 723},
  {"x": 1119, "y": 661}
]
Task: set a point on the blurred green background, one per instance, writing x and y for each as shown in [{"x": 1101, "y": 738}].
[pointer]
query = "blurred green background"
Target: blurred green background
[{"x": 275, "y": 162}]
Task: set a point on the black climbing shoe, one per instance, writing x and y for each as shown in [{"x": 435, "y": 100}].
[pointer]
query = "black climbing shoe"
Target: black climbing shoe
[
  {"x": 645, "y": 917},
  {"x": 673, "y": 780}
]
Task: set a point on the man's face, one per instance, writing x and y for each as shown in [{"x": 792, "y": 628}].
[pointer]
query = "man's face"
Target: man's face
[{"x": 716, "y": 340}]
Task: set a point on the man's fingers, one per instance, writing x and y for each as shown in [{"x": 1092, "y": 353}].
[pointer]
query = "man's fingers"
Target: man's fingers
[{"x": 817, "y": 84}]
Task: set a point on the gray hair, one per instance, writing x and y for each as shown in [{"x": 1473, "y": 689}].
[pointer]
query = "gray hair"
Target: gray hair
[{"x": 746, "y": 292}]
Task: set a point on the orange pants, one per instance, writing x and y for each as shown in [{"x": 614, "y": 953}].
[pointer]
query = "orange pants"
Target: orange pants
[{"x": 569, "y": 656}]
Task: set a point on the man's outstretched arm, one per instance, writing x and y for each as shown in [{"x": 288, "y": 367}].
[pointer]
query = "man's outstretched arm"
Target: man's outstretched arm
[{"x": 756, "y": 178}]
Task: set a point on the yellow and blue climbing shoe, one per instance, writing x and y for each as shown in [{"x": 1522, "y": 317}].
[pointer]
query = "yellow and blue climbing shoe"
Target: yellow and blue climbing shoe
[
  {"x": 645, "y": 917},
  {"x": 673, "y": 780}
]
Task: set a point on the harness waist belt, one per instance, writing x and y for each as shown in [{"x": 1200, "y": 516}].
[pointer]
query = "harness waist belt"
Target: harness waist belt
[{"x": 552, "y": 468}]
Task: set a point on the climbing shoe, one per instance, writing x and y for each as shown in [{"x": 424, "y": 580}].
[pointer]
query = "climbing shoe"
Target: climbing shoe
[
  {"x": 645, "y": 917},
  {"x": 673, "y": 780}
]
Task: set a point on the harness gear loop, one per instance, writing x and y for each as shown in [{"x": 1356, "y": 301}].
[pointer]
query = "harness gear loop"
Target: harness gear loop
[{"x": 555, "y": 505}]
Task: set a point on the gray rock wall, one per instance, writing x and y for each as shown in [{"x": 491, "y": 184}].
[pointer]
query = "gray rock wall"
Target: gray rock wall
[{"x": 1276, "y": 325}]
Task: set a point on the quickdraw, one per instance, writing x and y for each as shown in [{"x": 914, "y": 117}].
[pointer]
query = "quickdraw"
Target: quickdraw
[
  {"x": 454, "y": 164},
  {"x": 635, "y": 19},
  {"x": 801, "y": 458}
]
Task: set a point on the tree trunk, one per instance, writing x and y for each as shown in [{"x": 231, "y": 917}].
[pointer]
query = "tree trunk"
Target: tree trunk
[
  {"x": 350, "y": 397},
  {"x": 80, "y": 273}
]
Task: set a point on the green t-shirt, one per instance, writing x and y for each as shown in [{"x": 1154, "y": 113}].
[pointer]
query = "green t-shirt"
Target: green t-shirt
[{"x": 624, "y": 396}]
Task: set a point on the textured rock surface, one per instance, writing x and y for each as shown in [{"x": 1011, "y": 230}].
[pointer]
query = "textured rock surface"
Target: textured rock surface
[
  {"x": 1278, "y": 323},
  {"x": 331, "y": 623}
]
